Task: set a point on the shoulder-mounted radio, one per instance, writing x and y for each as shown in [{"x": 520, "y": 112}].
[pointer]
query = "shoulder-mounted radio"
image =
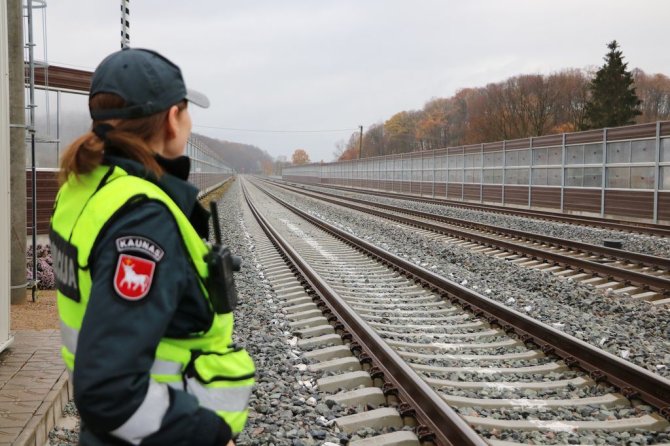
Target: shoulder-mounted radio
[{"x": 222, "y": 264}]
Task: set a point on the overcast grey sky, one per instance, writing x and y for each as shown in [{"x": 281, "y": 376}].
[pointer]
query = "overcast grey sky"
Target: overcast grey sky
[{"x": 335, "y": 64}]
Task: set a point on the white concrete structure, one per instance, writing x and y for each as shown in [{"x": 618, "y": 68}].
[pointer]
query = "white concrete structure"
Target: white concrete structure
[{"x": 5, "y": 338}]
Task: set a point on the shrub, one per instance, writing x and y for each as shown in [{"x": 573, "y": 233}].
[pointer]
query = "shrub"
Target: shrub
[{"x": 45, "y": 272}]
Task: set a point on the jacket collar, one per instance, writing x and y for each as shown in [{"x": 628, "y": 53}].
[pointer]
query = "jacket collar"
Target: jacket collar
[{"x": 173, "y": 182}]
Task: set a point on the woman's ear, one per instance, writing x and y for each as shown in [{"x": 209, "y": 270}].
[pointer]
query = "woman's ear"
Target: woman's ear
[{"x": 172, "y": 123}]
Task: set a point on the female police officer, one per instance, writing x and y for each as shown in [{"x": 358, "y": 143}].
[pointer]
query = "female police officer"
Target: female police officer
[{"x": 151, "y": 358}]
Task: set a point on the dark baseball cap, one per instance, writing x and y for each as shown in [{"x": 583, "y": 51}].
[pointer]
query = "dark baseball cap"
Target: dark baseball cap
[{"x": 148, "y": 82}]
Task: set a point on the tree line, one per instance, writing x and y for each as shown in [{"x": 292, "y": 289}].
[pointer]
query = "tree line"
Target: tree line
[
  {"x": 522, "y": 106},
  {"x": 244, "y": 158}
]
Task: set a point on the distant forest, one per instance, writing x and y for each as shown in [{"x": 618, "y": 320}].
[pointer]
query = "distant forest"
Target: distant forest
[
  {"x": 244, "y": 158},
  {"x": 521, "y": 106}
]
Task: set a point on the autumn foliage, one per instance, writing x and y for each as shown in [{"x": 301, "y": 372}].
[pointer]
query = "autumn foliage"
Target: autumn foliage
[
  {"x": 267, "y": 167},
  {"x": 519, "y": 107},
  {"x": 299, "y": 157}
]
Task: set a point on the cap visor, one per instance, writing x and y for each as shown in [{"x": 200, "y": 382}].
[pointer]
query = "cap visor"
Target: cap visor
[{"x": 197, "y": 98}]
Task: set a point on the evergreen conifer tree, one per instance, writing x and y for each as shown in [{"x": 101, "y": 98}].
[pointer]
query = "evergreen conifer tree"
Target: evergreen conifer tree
[{"x": 613, "y": 101}]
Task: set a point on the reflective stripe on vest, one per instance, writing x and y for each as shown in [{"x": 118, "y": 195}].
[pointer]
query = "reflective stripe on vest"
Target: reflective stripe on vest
[
  {"x": 83, "y": 207},
  {"x": 163, "y": 367},
  {"x": 69, "y": 337},
  {"x": 148, "y": 418},
  {"x": 228, "y": 399}
]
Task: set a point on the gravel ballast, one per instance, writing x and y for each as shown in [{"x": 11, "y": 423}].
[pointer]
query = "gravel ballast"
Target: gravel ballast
[
  {"x": 414, "y": 248},
  {"x": 635, "y": 331},
  {"x": 287, "y": 408},
  {"x": 646, "y": 244}
]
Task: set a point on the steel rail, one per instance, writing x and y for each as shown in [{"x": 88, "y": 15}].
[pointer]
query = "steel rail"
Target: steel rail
[
  {"x": 633, "y": 381},
  {"x": 620, "y": 225},
  {"x": 660, "y": 284},
  {"x": 633, "y": 257},
  {"x": 430, "y": 410}
]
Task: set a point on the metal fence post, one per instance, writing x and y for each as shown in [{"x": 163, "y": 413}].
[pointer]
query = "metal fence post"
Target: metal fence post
[
  {"x": 657, "y": 170},
  {"x": 530, "y": 171},
  {"x": 481, "y": 174},
  {"x": 463, "y": 174},
  {"x": 387, "y": 182},
  {"x": 347, "y": 173},
  {"x": 402, "y": 173},
  {"x": 433, "y": 181},
  {"x": 422, "y": 175},
  {"x": 563, "y": 172},
  {"x": 397, "y": 172},
  {"x": 604, "y": 172},
  {"x": 446, "y": 170},
  {"x": 411, "y": 171},
  {"x": 379, "y": 173},
  {"x": 504, "y": 169},
  {"x": 58, "y": 93}
]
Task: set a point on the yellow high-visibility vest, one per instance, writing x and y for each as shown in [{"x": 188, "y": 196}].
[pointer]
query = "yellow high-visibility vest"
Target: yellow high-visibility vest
[{"x": 222, "y": 377}]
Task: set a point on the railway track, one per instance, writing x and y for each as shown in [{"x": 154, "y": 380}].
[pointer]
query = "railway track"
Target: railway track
[
  {"x": 581, "y": 220},
  {"x": 461, "y": 368},
  {"x": 614, "y": 271}
]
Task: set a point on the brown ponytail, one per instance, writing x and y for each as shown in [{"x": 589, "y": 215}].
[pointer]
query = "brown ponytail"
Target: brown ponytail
[{"x": 130, "y": 137}]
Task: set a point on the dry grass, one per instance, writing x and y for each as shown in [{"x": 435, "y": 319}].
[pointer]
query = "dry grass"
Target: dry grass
[
  {"x": 217, "y": 193},
  {"x": 39, "y": 315}
]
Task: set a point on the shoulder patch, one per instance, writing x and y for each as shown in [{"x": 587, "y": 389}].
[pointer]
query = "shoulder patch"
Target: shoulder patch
[
  {"x": 132, "y": 243},
  {"x": 133, "y": 277}
]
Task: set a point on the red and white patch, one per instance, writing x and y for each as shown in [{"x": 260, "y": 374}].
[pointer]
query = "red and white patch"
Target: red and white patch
[{"x": 133, "y": 277}]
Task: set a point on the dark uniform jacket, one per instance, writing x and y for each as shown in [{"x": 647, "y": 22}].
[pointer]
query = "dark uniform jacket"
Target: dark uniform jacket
[{"x": 118, "y": 337}]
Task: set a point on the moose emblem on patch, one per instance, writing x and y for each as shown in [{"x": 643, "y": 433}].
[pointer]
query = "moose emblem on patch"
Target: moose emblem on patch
[{"x": 133, "y": 277}]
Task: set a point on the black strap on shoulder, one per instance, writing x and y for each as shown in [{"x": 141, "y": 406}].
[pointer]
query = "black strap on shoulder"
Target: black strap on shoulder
[{"x": 104, "y": 179}]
